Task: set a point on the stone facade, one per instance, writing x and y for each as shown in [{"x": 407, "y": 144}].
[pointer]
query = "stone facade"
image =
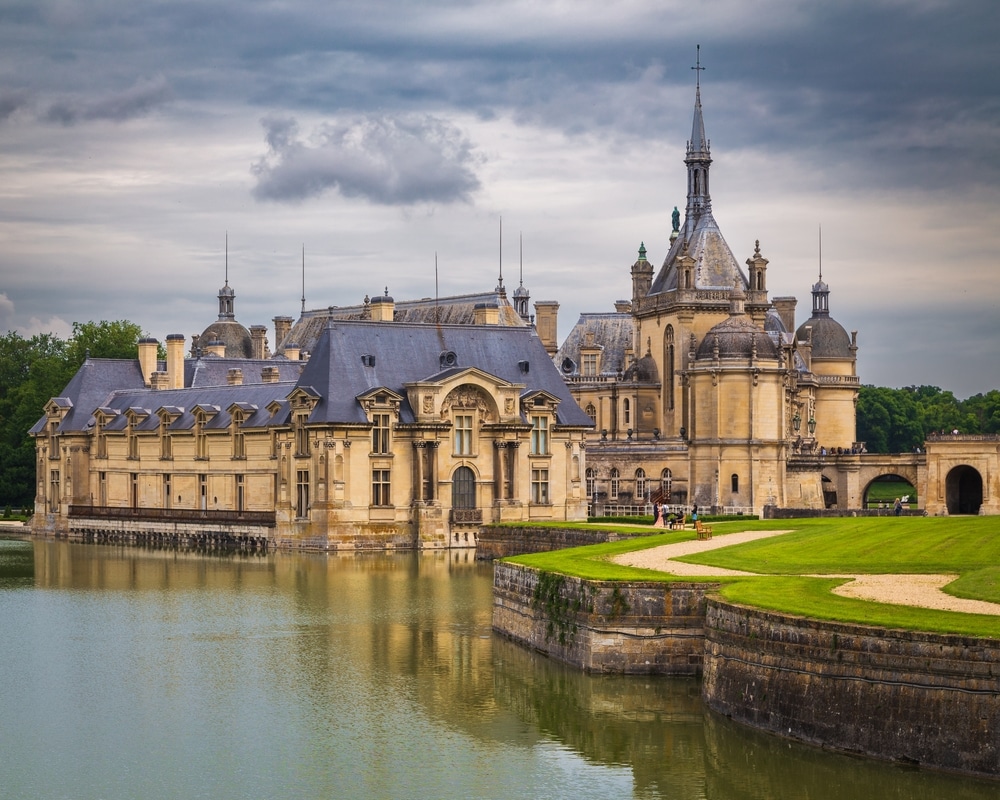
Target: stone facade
[{"x": 391, "y": 435}]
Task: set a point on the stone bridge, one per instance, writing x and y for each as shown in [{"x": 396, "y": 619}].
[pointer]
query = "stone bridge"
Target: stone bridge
[{"x": 954, "y": 474}]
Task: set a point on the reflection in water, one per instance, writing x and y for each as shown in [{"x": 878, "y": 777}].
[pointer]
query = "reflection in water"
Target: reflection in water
[{"x": 128, "y": 672}]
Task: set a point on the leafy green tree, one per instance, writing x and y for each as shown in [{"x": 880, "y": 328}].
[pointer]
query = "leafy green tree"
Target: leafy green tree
[
  {"x": 888, "y": 420},
  {"x": 31, "y": 372}
]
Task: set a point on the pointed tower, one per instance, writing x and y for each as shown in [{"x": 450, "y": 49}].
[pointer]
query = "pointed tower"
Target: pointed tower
[
  {"x": 642, "y": 277},
  {"x": 698, "y": 160}
]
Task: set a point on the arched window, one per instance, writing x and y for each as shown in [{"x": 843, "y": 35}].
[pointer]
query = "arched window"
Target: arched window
[
  {"x": 592, "y": 413},
  {"x": 463, "y": 488},
  {"x": 615, "y": 483},
  {"x": 627, "y": 411},
  {"x": 640, "y": 483},
  {"x": 666, "y": 484},
  {"x": 735, "y": 480},
  {"x": 591, "y": 482}
]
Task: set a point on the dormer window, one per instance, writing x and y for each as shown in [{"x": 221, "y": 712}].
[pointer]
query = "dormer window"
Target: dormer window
[
  {"x": 239, "y": 438},
  {"x": 380, "y": 432}
]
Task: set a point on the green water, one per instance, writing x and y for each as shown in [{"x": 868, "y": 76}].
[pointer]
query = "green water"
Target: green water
[{"x": 129, "y": 673}]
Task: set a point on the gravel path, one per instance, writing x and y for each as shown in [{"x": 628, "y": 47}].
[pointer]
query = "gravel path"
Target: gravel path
[{"x": 923, "y": 591}]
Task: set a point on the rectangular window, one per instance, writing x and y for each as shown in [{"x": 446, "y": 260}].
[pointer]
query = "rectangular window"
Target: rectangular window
[
  {"x": 135, "y": 489},
  {"x": 166, "y": 491},
  {"x": 239, "y": 438},
  {"x": 239, "y": 493},
  {"x": 201, "y": 441},
  {"x": 380, "y": 433},
  {"x": 302, "y": 493},
  {"x": 301, "y": 436},
  {"x": 539, "y": 436},
  {"x": 54, "y": 490},
  {"x": 102, "y": 443},
  {"x": 463, "y": 434},
  {"x": 540, "y": 486},
  {"x": 380, "y": 487},
  {"x": 166, "y": 448},
  {"x": 203, "y": 491},
  {"x": 102, "y": 488},
  {"x": 590, "y": 364}
]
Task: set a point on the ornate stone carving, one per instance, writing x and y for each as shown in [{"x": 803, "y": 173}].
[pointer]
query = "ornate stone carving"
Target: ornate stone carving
[{"x": 467, "y": 398}]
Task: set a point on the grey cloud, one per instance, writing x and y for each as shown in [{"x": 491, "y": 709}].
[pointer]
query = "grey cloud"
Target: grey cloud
[
  {"x": 11, "y": 101},
  {"x": 386, "y": 160},
  {"x": 136, "y": 101}
]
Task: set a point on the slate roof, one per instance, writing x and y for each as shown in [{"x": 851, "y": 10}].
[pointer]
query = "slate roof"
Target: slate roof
[
  {"x": 715, "y": 266},
  {"x": 407, "y": 353},
  {"x": 453, "y": 310},
  {"x": 613, "y": 331},
  {"x": 402, "y": 354}
]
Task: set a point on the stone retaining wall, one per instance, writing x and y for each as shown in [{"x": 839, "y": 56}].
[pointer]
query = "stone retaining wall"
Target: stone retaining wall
[
  {"x": 503, "y": 541},
  {"x": 603, "y": 626},
  {"x": 916, "y": 697}
]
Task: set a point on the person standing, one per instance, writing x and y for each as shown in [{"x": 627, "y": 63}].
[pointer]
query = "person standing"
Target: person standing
[
  {"x": 657, "y": 515},
  {"x": 897, "y": 507}
]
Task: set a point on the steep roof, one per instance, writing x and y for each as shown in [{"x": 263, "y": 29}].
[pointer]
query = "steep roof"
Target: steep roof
[
  {"x": 715, "y": 266},
  {"x": 611, "y": 331},
  {"x": 400, "y": 354}
]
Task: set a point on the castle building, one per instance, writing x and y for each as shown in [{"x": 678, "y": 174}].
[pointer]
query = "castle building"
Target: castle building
[
  {"x": 390, "y": 434},
  {"x": 701, "y": 389}
]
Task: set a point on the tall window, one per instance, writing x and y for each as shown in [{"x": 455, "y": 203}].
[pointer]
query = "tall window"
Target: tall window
[
  {"x": 627, "y": 411},
  {"x": 735, "y": 480},
  {"x": 302, "y": 493},
  {"x": 669, "y": 377},
  {"x": 380, "y": 487},
  {"x": 133, "y": 442},
  {"x": 200, "y": 440},
  {"x": 463, "y": 488},
  {"x": 102, "y": 488},
  {"x": 463, "y": 434},
  {"x": 166, "y": 444},
  {"x": 666, "y": 484},
  {"x": 203, "y": 492},
  {"x": 301, "y": 436},
  {"x": 589, "y": 364},
  {"x": 540, "y": 486},
  {"x": 102, "y": 441},
  {"x": 239, "y": 438},
  {"x": 592, "y": 413},
  {"x": 166, "y": 490},
  {"x": 380, "y": 433},
  {"x": 640, "y": 483},
  {"x": 135, "y": 490},
  {"x": 539, "y": 436},
  {"x": 54, "y": 490},
  {"x": 240, "y": 496},
  {"x": 615, "y": 483},
  {"x": 591, "y": 482}
]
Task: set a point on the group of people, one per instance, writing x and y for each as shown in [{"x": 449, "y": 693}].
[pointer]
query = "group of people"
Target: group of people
[{"x": 664, "y": 517}]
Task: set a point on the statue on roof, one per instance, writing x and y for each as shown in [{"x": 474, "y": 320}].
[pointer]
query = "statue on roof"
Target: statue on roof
[{"x": 675, "y": 218}]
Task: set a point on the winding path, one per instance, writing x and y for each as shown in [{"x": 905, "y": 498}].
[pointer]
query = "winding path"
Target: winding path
[{"x": 923, "y": 591}]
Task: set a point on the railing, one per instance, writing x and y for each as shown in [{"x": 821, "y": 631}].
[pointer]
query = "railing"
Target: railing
[
  {"x": 174, "y": 515},
  {"x": 466, "y": 516},
  {"x": 851, "y": 380},
  {"x": 737, "y": 510}
]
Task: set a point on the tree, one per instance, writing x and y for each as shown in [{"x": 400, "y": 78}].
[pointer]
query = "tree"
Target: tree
[{"x": 31, "y": 372}]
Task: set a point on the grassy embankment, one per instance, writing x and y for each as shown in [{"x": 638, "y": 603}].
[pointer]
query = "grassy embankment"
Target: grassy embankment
[{"x": 966, "y": 546}]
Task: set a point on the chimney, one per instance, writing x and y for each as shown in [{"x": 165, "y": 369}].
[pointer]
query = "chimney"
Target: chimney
[
  {"x": 292, "y": 351},
  {"x": 623, "y": 306},
  {"x": 258, "y": 342},
  {"x": 486, "y": 314},
  {"x": 216, "y": 348},
  {"x": 147, "y": 359},
  {"x": 785, "y": 306},
  {"x": 159, "y": 380},
  {"x": 269, "y": 375},
  {"x": 546, "y": 316},
  {"x": 383, "y": 309},
  {"x": 175, "y": 361},
  {"x": 282, "y": 326},
  {"x": 234, "y": 377}
]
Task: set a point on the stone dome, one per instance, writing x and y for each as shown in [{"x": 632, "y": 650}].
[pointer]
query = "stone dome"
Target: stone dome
[
  {"x": 234, "y": 336},
  {"x": 736, "y": 337},
  {"x": 643, "y": 371},
  {"x": 829, "y": 339}
]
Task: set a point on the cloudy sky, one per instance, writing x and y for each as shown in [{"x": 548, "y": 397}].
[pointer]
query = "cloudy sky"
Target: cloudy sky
[{"x": 136, "y": 134}]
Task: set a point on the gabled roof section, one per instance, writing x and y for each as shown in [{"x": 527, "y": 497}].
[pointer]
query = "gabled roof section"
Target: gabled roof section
[
  {"x": 407, "y": 354},
  {"x": 611, "y": 332}
]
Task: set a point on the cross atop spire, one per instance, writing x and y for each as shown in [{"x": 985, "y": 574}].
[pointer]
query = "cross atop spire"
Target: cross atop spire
[{"x": 698, "y": 67}]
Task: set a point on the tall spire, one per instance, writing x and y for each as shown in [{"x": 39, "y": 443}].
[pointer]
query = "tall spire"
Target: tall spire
[
  {"x": 820, "y": 291},
  {"x": 698, "y": 159},
  {"x": 500, "y": 287},
  {"x": 303, "y": 278}
]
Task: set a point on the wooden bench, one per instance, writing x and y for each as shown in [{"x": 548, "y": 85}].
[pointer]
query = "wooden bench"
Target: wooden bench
[
  {"x": 678, "y": 523},
  {"x": 704, "y": 531}
]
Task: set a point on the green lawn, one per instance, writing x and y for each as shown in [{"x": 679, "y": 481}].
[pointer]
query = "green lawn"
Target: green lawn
[{"x": 966, "y": 546}]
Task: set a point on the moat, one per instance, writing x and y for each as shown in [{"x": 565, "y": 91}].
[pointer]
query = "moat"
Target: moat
[{"x": 130, "y": 672}]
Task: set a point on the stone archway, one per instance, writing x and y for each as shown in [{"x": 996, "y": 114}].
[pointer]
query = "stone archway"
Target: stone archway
[
  {"x": 964, "y": 490},
  {"x": 882, "y": 491}
]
